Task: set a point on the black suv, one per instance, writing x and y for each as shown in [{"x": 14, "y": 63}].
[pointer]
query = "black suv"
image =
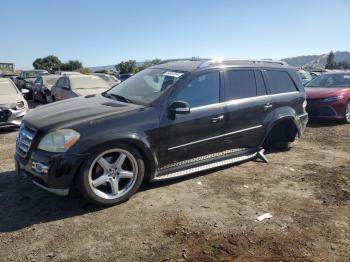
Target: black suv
[{"x": 166, "y": 121}]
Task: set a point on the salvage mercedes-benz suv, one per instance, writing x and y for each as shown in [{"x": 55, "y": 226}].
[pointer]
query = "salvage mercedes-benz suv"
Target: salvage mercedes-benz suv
[{"x": 169, "y": 120}]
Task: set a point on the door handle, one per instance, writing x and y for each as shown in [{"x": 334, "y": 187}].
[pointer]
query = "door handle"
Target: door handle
[
  {"x": 217, "y": 119},
  {"x": 267, "y": 106}
]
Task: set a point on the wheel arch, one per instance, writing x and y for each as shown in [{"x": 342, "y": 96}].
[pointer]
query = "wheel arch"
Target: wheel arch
[
  {"x": 286, "y": 115},
  {"x": 139, "y": 143}
]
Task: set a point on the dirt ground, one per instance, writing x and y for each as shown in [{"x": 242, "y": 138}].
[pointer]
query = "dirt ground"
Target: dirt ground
[{"x": 306, "y": 189}]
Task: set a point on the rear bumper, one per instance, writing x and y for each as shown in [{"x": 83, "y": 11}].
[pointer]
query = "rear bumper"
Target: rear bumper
[{"x": 303, "y": 119}]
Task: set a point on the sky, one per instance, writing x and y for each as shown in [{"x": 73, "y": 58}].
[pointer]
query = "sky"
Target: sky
[{"x": 105, "y": 32}]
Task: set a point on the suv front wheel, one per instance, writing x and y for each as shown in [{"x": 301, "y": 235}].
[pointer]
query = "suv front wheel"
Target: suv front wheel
[{"x": 111, "y": 175}]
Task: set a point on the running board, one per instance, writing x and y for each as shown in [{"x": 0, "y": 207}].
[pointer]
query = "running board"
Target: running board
[
  {"x": 207, "y": 166},
  {"x": 261, "y": 155}
]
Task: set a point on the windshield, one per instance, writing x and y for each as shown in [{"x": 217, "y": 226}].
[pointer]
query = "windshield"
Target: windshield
[
  {"x": 6, "y": 88},
  {"x": 51, "y": 80},
  {"x": 330, "y": 80},
  {"x": 305, "y": 75},
  {"x": 108, "y": 78},
  {"x": 146, "y": 86},
  {"x": 33, "y": 74},
  {"x": 88, "y": 82}
]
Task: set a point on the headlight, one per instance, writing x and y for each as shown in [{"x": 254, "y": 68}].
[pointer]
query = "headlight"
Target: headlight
[
  {"x": 19, "y": 106},
  {"x": 332, "y": 99},
  {"x": 59, "y": 141}
]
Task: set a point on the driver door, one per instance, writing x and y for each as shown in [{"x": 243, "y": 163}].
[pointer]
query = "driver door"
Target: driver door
[{"x": 197, "y": 133}]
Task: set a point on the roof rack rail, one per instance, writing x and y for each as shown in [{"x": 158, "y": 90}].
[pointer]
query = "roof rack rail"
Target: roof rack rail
[
  {"x": 261, "y": 61},
  {"x": 182, "y": 59}
]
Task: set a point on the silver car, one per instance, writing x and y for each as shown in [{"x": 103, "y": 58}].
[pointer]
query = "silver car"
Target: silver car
[
  {"x": 13, "y": 106},
  {"x": 70, "y": 86}
]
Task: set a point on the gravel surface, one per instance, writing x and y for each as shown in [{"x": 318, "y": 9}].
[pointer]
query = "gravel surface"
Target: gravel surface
[{"x": 305, "y": 189}]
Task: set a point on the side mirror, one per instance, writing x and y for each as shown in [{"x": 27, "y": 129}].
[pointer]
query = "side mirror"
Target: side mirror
[
  {"x": 24, "y": 91},
  {"x": 179, "y": 108}
]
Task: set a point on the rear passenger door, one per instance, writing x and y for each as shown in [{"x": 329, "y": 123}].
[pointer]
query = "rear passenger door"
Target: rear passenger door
[{"x": 246, "y": 109}]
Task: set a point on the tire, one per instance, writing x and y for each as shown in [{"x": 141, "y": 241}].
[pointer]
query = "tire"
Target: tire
[
  {"x": 347, "y": 113},
  {"x": 111, "y": 175}
]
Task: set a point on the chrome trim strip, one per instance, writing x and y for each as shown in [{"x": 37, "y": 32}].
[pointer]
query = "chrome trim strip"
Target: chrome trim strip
[
  {"x": 214, "y": 137},
  {"x": 206, "y": 167},
  {"x": 242, "y": 100},
  {"x": 59, "y": 192},
  {"x": 303, "y": 115}
]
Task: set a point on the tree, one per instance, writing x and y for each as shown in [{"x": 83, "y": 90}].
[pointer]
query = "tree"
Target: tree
[
  {"x": 331, "y": 64},
  {"x": 72, "y": 65},
  {"x": 126, "y": 67},
  {"x": 343, "y": 65},
  {"x": 50, "y": 63},
  {"x": 149, "y": 63},
  {"x": 84, "y": 70}
]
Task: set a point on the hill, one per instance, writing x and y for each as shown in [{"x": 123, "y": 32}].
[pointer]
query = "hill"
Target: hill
[{"x": 317, "y": 61}]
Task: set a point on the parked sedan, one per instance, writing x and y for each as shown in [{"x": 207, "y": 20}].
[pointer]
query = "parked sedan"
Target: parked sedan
[
  {"x": 328, "y": 96},
  {"x": 69, "y": 86},
  {"x": 42, "y": 88},
  {"x": 13, "y": 106},
  {"x": 111, "y": 80},
  {"x": 305, "y": 76}
]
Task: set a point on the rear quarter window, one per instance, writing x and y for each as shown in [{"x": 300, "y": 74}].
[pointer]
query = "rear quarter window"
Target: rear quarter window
[{"x": 280, "y": 82}]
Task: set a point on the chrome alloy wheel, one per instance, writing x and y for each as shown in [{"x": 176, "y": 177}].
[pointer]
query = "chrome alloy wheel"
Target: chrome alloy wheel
[
  {"x": 113, "y": 173},
  {"x": 347, "y": 113}
]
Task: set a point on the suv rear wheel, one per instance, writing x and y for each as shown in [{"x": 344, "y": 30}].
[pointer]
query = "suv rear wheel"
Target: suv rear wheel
[
  {"x": 111, "y": 175},
  {"x": 280, "y": 136}
]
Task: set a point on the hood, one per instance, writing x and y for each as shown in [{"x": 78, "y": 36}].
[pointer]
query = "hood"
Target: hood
[
  {"x": 73, "y": 111},
  {"x": 90, "y": 91},
  {"x": 324, "y": 92},
  {"x": 10, "y": 99}
]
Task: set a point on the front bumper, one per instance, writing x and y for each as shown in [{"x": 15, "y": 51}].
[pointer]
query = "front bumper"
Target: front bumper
[
  {"x": 321, "y": 110},
  {"x": 11, "y": 117},
  {"x": 50, "y": 171}
]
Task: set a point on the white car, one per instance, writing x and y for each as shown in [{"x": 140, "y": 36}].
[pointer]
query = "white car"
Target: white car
[
  {"x": 111, "y": 80},
  {"x": 13, "y": 106},
  {"x": 70, "y": 86},
  {"x": 62, "y": 73}
]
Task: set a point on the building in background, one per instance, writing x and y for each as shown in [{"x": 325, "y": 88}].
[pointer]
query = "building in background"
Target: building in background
[{"x": 7, "y": 67}]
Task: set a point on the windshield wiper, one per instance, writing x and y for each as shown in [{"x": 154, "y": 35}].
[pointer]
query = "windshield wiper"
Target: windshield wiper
[{"x": 119, "y": 97}]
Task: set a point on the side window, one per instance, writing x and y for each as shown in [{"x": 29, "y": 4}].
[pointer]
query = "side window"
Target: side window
[
  {"x": 260, "y": 84},
  {"x": 240, "y": 84},
  {"x": 201, "y": 91},
  {"x": 65, "y": 82},
  {"x": 59, "y": 82},
  {"x": 280, "y": 82}
]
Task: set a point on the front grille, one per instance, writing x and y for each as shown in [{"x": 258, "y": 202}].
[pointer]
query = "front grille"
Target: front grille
[{"x": 24, "y": 140}]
